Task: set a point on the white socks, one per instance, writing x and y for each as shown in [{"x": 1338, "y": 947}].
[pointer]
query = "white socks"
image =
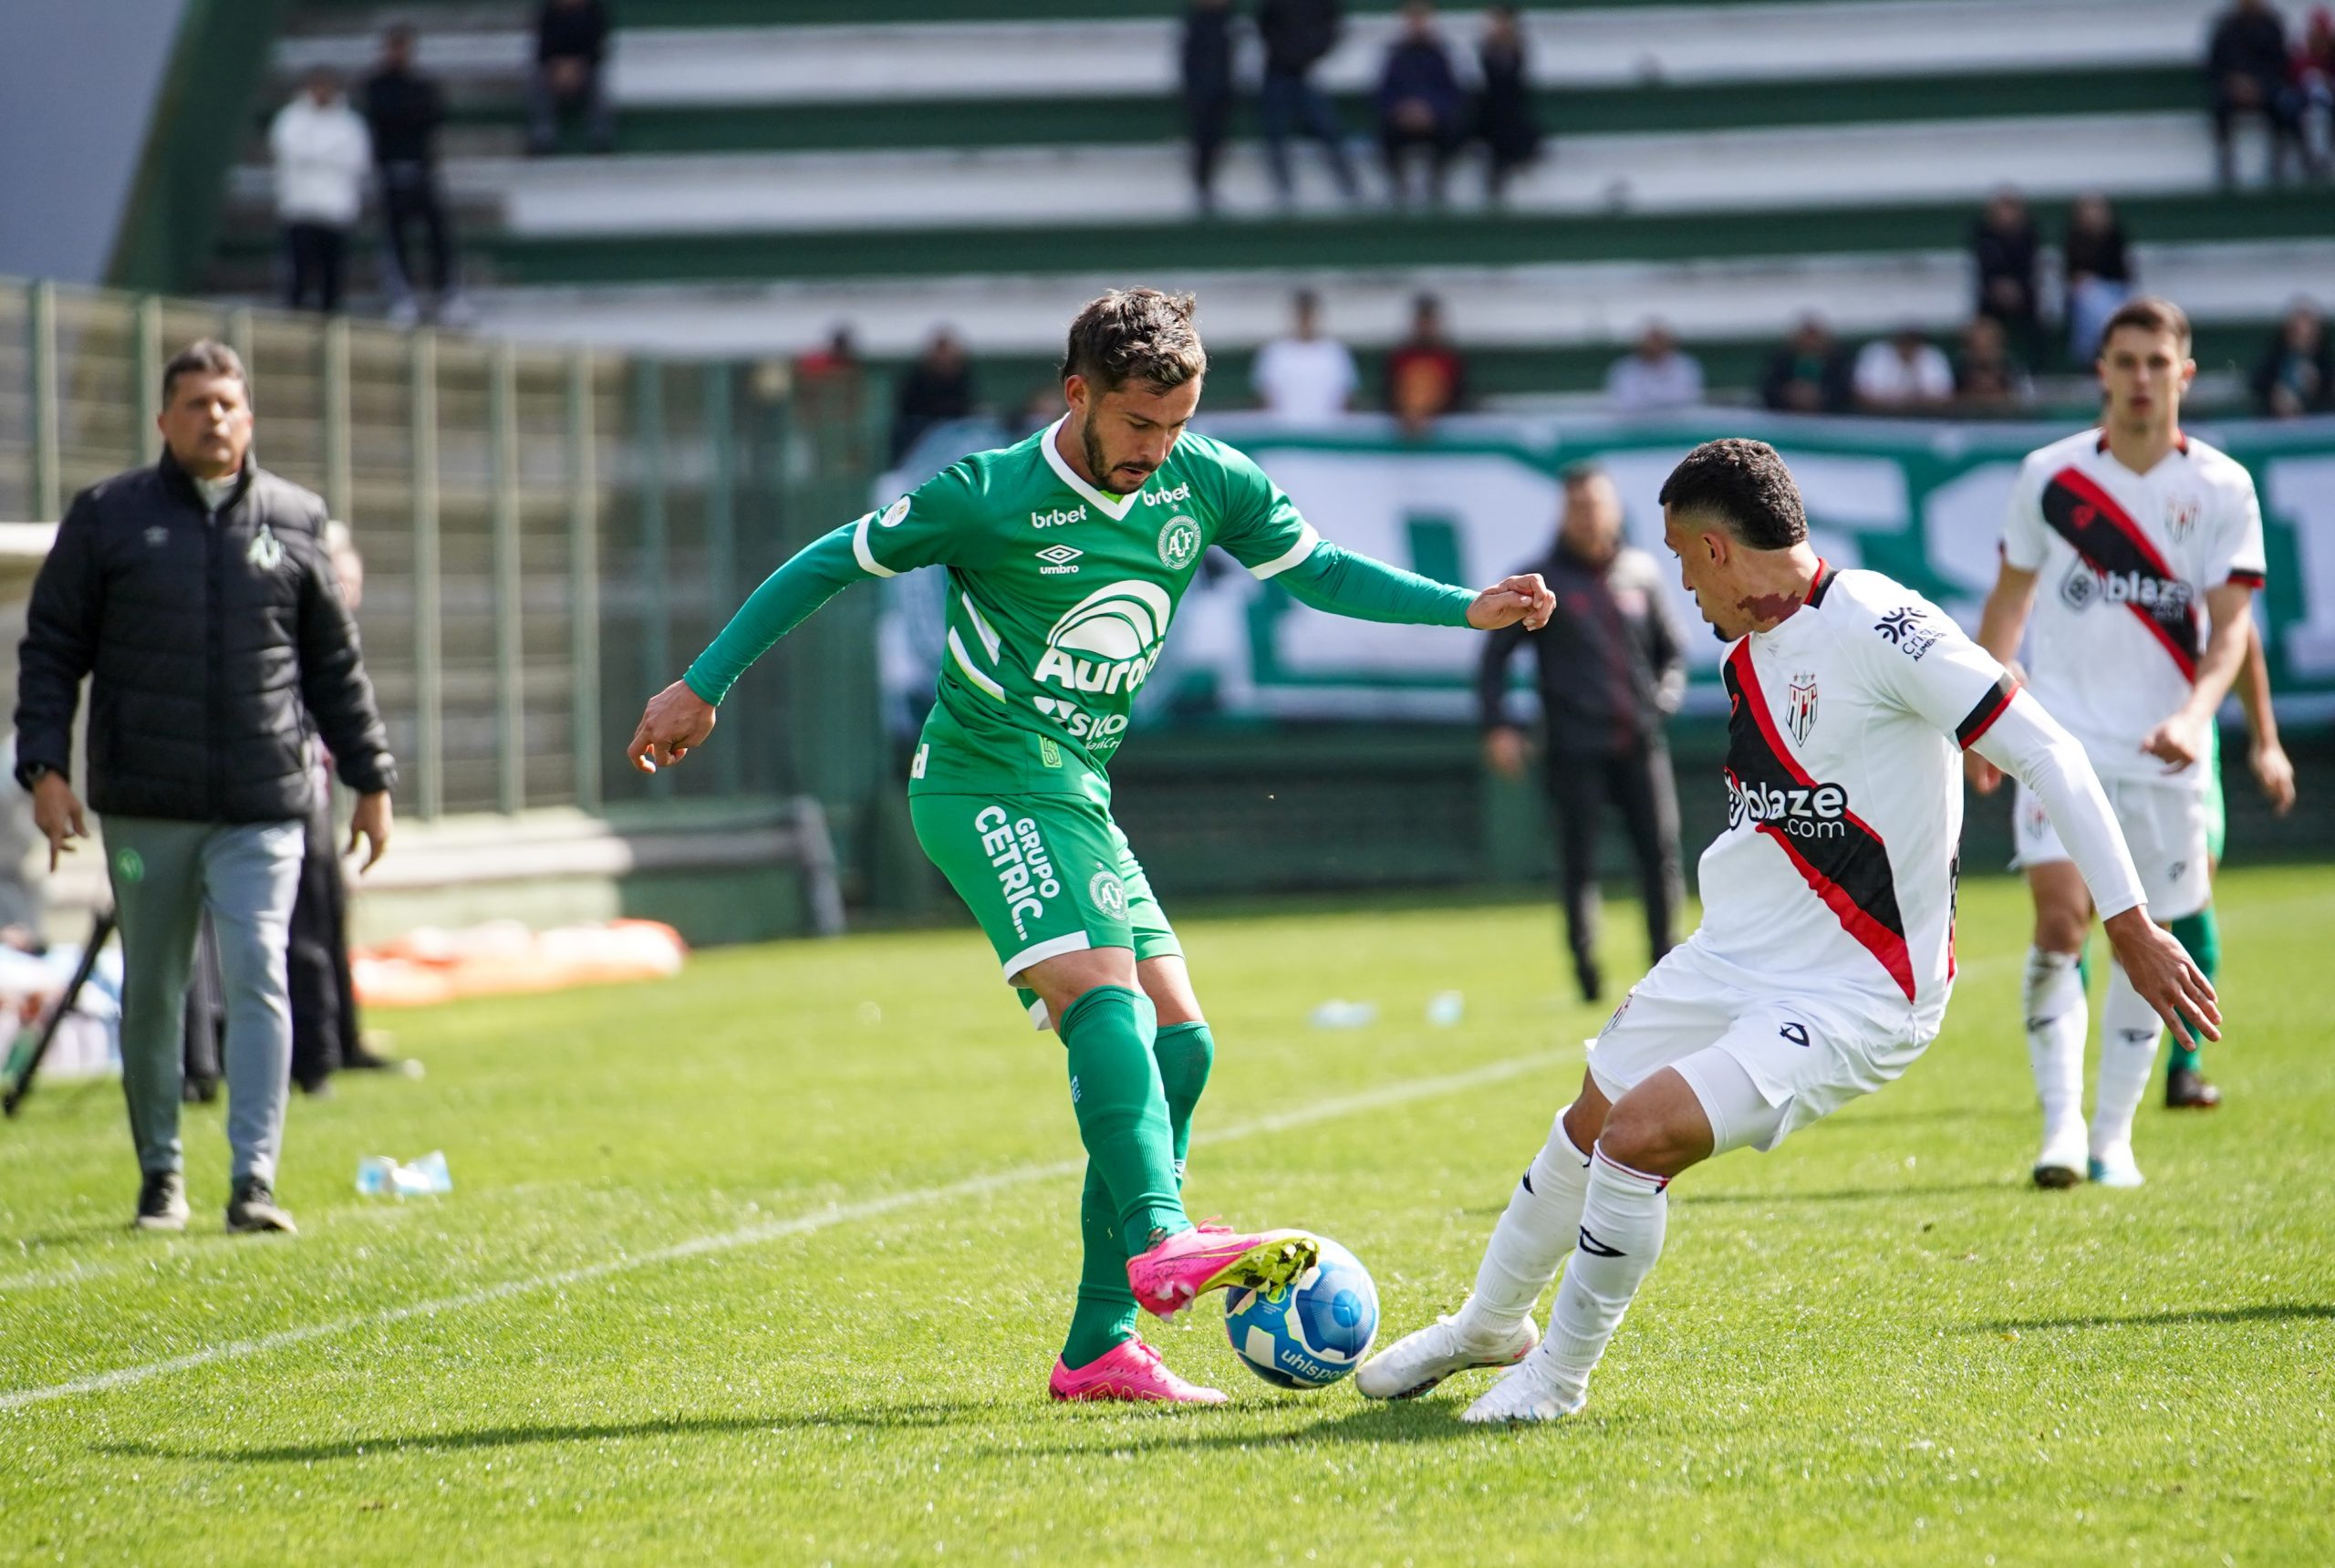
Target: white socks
[
  {"x": 2057, "y": 1023},
  {"x": 1621, "y": 1236},
  {"x": 1531, "y": 1240},
  {"x": 2129, "y": 1028}
]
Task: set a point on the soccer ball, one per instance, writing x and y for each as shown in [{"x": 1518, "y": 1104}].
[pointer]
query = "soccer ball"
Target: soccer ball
[{"x": 1318, "y": 1331}]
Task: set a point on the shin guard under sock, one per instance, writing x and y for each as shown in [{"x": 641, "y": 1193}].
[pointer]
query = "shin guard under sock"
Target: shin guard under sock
[
  {"x": 1121, "y": 1111},
  {"x": 1537, "y": 1229}
]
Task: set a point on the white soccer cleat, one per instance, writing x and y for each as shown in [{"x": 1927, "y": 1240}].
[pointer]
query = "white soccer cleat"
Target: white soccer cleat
[
  {"x": 2062, "y": 1163},
  {"x": 1527, "y": 1393},
  {"x": 1417, "y": 1362},
  {"x": 2116, "y": 1167}
]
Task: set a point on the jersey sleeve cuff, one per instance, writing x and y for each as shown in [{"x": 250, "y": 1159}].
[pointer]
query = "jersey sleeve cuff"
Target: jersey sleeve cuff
[
  {"x": 863, "y": 555},
  {"x": 1308, "y": 541},
  {"x": 2246, "y": 578},
  {"x": 1989, "y": 707},
  {"x": 707, "y": 689}
]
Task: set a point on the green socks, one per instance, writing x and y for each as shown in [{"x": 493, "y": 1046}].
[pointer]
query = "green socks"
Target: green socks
[
  {"x": 1106, "y": 1313},
  {"x": 1121, "y": 1111},
  {"x": 2201, "y": 935}
]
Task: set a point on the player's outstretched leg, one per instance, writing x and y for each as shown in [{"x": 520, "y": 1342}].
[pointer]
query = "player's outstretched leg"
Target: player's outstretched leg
[
  {"x": 1494, "y": 1326},
  {"x": 2057, "y": 1023},
  {"x": 2186, "y": 1085},
  {"x": 2128, "y": 1030},
  {"x": 1185, "y": 1054}
]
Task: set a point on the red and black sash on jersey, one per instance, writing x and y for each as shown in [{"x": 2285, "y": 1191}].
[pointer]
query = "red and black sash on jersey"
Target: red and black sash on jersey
[
  {"x": 1849, "y": 870},
  {"x": 2108, "y": 541}
]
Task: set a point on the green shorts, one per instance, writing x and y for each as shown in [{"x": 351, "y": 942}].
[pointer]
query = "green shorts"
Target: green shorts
[
  {"x": 1043, "y": 875},
  {"x": 2216, "y": 813}
]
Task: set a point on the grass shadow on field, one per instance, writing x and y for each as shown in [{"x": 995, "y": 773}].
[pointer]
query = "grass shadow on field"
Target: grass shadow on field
[
  {"x": 2274, "y": 1312},
  {"x": 1849, "y": 1194},
  {"x": 892, "y": 1419},
  {"x": 1373, "y": 1423}
]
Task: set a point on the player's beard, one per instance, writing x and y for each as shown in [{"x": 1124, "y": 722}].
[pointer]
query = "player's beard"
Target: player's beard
[{"x": 1098, "y": 463}]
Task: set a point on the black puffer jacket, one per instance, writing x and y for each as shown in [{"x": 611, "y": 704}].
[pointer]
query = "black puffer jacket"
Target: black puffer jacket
[{"x": 210, "y": 640}]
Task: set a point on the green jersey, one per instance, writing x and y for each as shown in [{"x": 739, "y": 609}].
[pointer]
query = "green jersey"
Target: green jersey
[{"x": 1060, "y": 597}]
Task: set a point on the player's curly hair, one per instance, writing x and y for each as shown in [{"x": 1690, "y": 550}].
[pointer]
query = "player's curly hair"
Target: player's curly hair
[
  {"x": 1137, "y": 334},
  {"x": 1744, "y": 484}
]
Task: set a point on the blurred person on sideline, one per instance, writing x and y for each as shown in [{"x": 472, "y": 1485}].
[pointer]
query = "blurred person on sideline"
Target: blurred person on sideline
[
  {"x": 2314, "y": 79},
  {"x": 2297, "y": 372},
  {"x": 1307, "y": 377},
  {"x": 1809, "y": 374},
  {"x": 200, "y": 584},
  {"x": 2098, "y": 264},
  {"x": 1426, "y": 376},
  {"x": 570, "y": 75},
  {"x": 2003, "y": 253},
  {"x": 937, "y": 388},
  {"x": 1422, "y": 110},
  {"x": 2248, "y": 72},
  {"x": 1297, "y": 34},
  {"x": 1611, "y": 666},
  {"x": 1656, "y": 374},
  {"x": 1987, "y": 378},
  {"x": 1206, "y": 70},
  {"x": 1903, "y": 373},
  {"x": 321, "y": 151},
  {"x": 1505, "y": 119},
  {"x": 403, "y": 110}
]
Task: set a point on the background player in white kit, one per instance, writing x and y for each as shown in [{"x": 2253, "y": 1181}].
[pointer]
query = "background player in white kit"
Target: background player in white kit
[
  {"x": 2136, "y": 537},
  {"x": 1826, "y": 953}
]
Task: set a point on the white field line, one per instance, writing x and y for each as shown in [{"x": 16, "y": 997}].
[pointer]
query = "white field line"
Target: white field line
[{"x": 771, "y": 1230}]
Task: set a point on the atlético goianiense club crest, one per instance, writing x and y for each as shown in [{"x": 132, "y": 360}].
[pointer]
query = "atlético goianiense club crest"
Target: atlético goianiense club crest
[{"x": 1799, "y": 706}]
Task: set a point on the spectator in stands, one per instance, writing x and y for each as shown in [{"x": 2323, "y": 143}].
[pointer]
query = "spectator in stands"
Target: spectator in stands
[
  {"x": 2099, "y": 272},
  {"x": 2296, "y": 375},
  {"x": 1307, "y": 378},
  {"x": 2314, "y": 78},
  {"x": 1297, "y": 34},
  {"x": 403, "y": 110},
  {"x": 1426, "y": 377},
  {"x": 1422, "y": 111},
  {"x": 2003, "y": 246},
  {"x": 1504, "y": 115},
  {"x": 939, "y": 388},
  {"x": 570, "y": 75},
  {"x": 1987, "y": 377},
  {"x": 1903, "y": 373},
  {"x": 321, "y": 154},
  {"x": 1656, "y": 374},
  {"x": 831, "y": 385},
  {"x": 2249, "y": 73},
  {"x": 1207, "y": 73},
  {"x": 1809, "y": 374}
]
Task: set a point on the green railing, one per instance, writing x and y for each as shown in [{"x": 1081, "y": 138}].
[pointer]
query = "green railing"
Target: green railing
[{"x": 548, "y": 534}]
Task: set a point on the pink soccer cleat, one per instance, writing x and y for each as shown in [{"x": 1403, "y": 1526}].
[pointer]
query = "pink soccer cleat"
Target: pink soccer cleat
[
  {"x": 1193, "y": 1262},
  {"x": 1129, "y": 1370}
]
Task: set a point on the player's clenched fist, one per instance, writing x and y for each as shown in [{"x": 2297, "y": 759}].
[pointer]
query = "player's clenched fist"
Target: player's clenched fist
[
  {"x": 676, "y": 722},
  {"x": 1526, "y": 598}
]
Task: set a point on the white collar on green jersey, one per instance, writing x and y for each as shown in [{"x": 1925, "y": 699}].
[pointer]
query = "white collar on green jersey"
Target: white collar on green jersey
[{"x": 1114, "y": 507}]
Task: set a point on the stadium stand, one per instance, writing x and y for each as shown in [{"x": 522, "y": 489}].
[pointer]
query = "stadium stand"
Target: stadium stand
[{"x": 1722, "y": 165}]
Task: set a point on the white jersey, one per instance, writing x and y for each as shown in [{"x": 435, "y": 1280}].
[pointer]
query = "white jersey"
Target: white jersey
[
  {"x": 2125, "y": 561},
  {"x": 1844, "y": 796}
]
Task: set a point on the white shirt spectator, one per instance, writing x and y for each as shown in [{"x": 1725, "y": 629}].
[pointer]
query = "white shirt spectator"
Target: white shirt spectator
[
  {"x": 1636, "y": 384},
  {"x": 322, "y": 156},
  {"x": 1884, "y": 376},
  {"x": 1305, "y": 381}
]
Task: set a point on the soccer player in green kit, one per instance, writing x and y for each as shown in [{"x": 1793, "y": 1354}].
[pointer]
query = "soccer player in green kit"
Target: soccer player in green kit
[{"x": 1067, "y": 555}]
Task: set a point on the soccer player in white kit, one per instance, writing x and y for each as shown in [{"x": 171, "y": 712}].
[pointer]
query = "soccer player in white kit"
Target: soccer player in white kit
[
  {"x": 1826, "y": 953},
  {"x": 2121, "y": 546}
]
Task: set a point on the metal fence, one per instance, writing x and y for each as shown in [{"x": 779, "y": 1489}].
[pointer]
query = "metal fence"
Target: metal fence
[{"x": 548, "y": 536}]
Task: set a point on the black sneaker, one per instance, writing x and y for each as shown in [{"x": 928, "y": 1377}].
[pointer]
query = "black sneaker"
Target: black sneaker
[
  {"x": 162, "y": 1202},
  {"x": 254, "y": 1208},
  {"x": 2186, "y": 1089}
]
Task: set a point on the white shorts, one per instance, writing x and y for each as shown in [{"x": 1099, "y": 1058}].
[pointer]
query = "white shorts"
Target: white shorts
[
  {"x": 1805, "y": 1050},
  {"x": 2164, "y": 823}
]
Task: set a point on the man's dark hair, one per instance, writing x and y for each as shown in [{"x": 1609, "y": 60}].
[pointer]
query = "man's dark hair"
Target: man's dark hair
[
  {"x": 2150, "y": 313},
  {"x": 1744, "y": 485},
  {"x": 1137, "y": 334},
  {"x": 204, "y": 357}
]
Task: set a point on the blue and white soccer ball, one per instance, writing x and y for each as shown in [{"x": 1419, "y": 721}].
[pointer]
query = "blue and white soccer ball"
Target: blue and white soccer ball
[{"x": 1318, "y": 1331}]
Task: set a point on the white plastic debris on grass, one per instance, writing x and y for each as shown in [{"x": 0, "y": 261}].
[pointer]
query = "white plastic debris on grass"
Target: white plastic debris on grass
[
  {"x": 1339, "y": 1014},
  {"x": 379, "y": 1176},
  {"x": 1445, "y": 1007}
]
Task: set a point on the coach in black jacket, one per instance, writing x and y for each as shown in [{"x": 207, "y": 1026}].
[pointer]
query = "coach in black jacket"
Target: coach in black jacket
[
  {"x": 198, "y": 597},
  {"x": 1612, "y": 670}
]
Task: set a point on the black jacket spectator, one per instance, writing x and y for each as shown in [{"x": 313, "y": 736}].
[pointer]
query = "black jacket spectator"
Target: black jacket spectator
[
  {"x": 937, "y": 389},
  {"x": 403, "y": 110},
  {"x": 1504, "y": 115},
  {"x": 1206, "y": 75},
  {"x": 1611, "y": 661},
  {"x": 2296, "y": 374},
  {"x": 1809, "y": 375},
  {"x": 2099, "y": 253},
  {"x": 2003, "y": 246},
  {"x": 2248, "y": 72},
  {"x": 208, "y": 638},
  {"x": 1298, "y": 33},
  {"x": 572, "y": 32}
]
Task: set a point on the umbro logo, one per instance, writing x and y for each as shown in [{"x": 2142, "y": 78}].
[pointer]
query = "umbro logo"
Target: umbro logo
[
  {"x": 1595, "y": 1247},
  {"x": 1058, "y": 560},
  {"x": 2137, "y": 1037},
  {"x": 1795, "y": 1033}
]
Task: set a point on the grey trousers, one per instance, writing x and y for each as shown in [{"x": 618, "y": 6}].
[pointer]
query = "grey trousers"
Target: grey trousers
[{"x": 165, "y": 874}]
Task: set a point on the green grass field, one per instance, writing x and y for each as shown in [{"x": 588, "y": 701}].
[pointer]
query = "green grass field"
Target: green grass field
[{"x": 769, "y": 1264}]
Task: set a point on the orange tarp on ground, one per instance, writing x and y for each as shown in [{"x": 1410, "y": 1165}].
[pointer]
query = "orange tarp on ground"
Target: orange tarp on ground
[{"x": 431, "y": 965}]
